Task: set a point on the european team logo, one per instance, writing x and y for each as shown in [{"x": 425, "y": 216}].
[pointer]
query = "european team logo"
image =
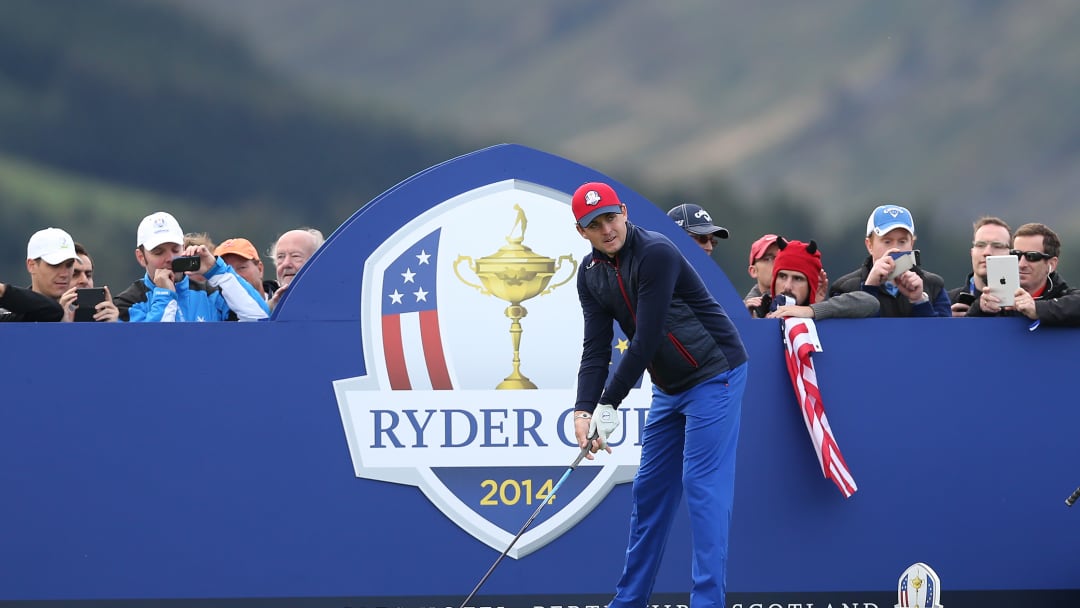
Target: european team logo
[{"x": 472, "y": 337}]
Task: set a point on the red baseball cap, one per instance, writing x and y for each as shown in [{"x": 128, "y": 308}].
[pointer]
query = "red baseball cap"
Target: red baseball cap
[
  {"x": 760, "y": 246},
  {"x": 592, "y": 200}
]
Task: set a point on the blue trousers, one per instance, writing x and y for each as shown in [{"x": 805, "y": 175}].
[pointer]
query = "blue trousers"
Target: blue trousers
[{"x": 688, "y": 443}]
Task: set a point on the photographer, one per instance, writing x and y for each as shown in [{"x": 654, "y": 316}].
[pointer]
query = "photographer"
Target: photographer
[
  {"x": 915, "y": 292},
  {"x": 167, "y": 294}
]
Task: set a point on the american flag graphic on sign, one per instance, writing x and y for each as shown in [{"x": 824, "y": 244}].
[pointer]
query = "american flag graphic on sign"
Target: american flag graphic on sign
[
  {"x": 800, "y": 340},
  {"x": 412, "y": 341}
]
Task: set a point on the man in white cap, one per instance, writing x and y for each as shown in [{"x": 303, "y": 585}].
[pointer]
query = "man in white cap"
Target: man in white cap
[
  {"x": 902, "y": 292},
  {"x": 51, "y": 256},
  {"x": 165, "y": 295}
]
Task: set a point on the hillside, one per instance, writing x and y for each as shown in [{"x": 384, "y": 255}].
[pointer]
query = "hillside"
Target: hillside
[
  {"x": 966, "y": 105},
  {"x": 112, "y": 109}
]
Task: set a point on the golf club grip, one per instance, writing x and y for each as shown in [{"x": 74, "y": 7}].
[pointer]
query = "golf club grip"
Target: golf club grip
[
  {"x": 570, "y": 469},
  {"x": 1073, "y": 498}
]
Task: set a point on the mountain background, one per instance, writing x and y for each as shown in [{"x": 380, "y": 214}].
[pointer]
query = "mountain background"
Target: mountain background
[{"x": 251, "y": 117}]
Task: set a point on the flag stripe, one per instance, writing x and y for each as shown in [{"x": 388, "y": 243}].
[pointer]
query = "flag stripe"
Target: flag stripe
[
  {"x": 394, "y": 353},
  {"x": 800, "y": 342},
  {"x": 433, "y": 351}
]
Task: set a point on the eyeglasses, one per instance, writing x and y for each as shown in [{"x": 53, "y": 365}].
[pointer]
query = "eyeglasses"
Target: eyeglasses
[
  {"x": 994, "y": 245},
  {"x": 705, "y": 239},
  {"x": 1031, "y": 256}
]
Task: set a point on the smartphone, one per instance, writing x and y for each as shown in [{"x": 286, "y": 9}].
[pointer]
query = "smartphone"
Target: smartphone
[
  {"x": 186, "y": 263},
  {"x": 905, "y": 261},
  {"x": 1003, "y": 277},
  {"x": 966, "y": 298},
  {"x": 86, "y": 300}
]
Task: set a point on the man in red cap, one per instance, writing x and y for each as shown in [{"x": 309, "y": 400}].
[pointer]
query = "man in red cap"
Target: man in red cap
[
  {"x": 697, "y": 364},
  {"x": 762, "y": 254},
  {"x": 797, "y": 274}
]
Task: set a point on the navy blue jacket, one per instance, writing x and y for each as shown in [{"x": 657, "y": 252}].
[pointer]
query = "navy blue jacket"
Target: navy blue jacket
[{"x": 676, "y": 328}]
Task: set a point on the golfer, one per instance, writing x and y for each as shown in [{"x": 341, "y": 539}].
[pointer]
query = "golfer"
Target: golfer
[{"x": 697, "y": 363}]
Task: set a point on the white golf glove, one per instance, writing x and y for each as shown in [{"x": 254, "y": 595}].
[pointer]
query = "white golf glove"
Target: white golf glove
[{"x": 603, "y": 423}]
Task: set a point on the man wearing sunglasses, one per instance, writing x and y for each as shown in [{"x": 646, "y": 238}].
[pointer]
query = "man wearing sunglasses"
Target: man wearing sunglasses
[
  {"x": 1043, "y": 295},
  {"x": 698, "y": 224},
  {"x": 991, "y": 238}
]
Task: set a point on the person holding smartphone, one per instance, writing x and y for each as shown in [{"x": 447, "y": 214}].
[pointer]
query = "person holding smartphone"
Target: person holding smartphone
[
  {"x": 991, "y": 238},
  {"x": 1043, "y": 295},
  {"x": 892, "y": 272},
  {"x": 165, "y": 293},
  {"x": 83, "y": 301}
]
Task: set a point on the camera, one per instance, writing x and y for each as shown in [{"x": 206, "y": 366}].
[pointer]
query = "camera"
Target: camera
[
  {"x": 966, "y": 298},
  {"x": 186, "y": 263},
  {"x": 765, "y": 307}
]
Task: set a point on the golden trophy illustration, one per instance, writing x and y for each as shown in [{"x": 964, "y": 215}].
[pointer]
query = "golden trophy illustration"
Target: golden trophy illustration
[{"x": 514, "y": 274}]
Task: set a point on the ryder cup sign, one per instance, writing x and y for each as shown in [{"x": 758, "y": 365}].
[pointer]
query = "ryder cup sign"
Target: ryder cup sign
[{"x": 472, "y": 336}]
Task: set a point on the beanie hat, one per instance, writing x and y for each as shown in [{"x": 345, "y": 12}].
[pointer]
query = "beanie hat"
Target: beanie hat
[{"x": 800, "y": 257}]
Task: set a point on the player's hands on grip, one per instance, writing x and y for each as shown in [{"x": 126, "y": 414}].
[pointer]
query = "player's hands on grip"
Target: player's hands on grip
[{"x": 603, "y": 423}]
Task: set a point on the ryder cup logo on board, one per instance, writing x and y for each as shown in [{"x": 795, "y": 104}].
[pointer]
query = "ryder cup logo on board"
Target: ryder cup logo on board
[{"x": 472, "y": 336}]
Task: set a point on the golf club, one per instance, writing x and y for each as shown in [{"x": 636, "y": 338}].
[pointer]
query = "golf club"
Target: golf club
[
  {"x": 551, "y": 494},
  {"x": 1072, "y": 499}
]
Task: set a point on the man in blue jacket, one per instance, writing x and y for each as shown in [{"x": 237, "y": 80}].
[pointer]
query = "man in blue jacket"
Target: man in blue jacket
[
  {"x": 163, "y": 295},
  {"x": 697, "y": 364}
]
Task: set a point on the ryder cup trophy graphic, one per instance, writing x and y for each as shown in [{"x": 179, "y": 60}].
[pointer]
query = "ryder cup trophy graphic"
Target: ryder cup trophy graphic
[{"x": 514, "y": 274}]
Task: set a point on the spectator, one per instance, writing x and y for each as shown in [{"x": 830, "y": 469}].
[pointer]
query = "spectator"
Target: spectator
[
  {"x": 991, "y": 238},
  {"x": 1043, "y": 295},
  {"x": 797, "y": 274},
  {"x": 21, "y": 304},
  {"x": 162, "y": 295},
  {"x": 83, "y": 271},
  {"x": 698, "y": 368},
  {"x": 83, "y": 278},
  {"x": 698, "y": 224},
  {"x": 912, "y": 293},
  {"x": 290, "y": 253},
  {"x": 244, "y": 259},
  {"x": 50, "y": 259},
  {"x": 762, "y": 254},
  {"x": 198, "y": 238}
]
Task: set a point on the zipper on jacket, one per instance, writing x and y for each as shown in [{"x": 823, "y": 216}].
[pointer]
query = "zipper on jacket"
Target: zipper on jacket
[{"x": 633, "y": 315}]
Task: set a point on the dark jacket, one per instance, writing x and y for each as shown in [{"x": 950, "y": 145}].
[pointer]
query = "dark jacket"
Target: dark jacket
[
  {"x": 967, "y": 287},
  {"x": 897, "y": 306},
  {"x": 19, "y": 304},
  {"x": 1059, "y": 304},
  {"x": 676, "y": 328}
]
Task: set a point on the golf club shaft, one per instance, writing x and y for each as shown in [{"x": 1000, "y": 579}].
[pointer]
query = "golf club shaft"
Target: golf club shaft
[
  {"x": 1072, "y": 499},
  {"x": 550, "y": 496}
]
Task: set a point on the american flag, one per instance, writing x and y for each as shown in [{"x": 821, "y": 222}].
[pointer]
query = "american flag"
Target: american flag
[
  {"x": 800, "y": 340},
  {"x": 412, "y": 341},
  {"x": 903, "y": 598}
]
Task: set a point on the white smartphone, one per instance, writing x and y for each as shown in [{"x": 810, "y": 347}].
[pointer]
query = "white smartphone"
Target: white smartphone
[
  {"x": 1003, "y": 277},
  {"x": 905, "y": 261}
]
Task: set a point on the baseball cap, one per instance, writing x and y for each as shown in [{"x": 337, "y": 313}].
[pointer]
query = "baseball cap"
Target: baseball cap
[
  {"x": 592, "y": 200},
  {"x": 238, "y": 246},
  {"x": 158, "y": 228},
  {"x": 888, "y": 217},
  {"x": 52, "y": 245},
  {"x": 695, "y": 220},
  {"x": 760, "y": 246}
]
